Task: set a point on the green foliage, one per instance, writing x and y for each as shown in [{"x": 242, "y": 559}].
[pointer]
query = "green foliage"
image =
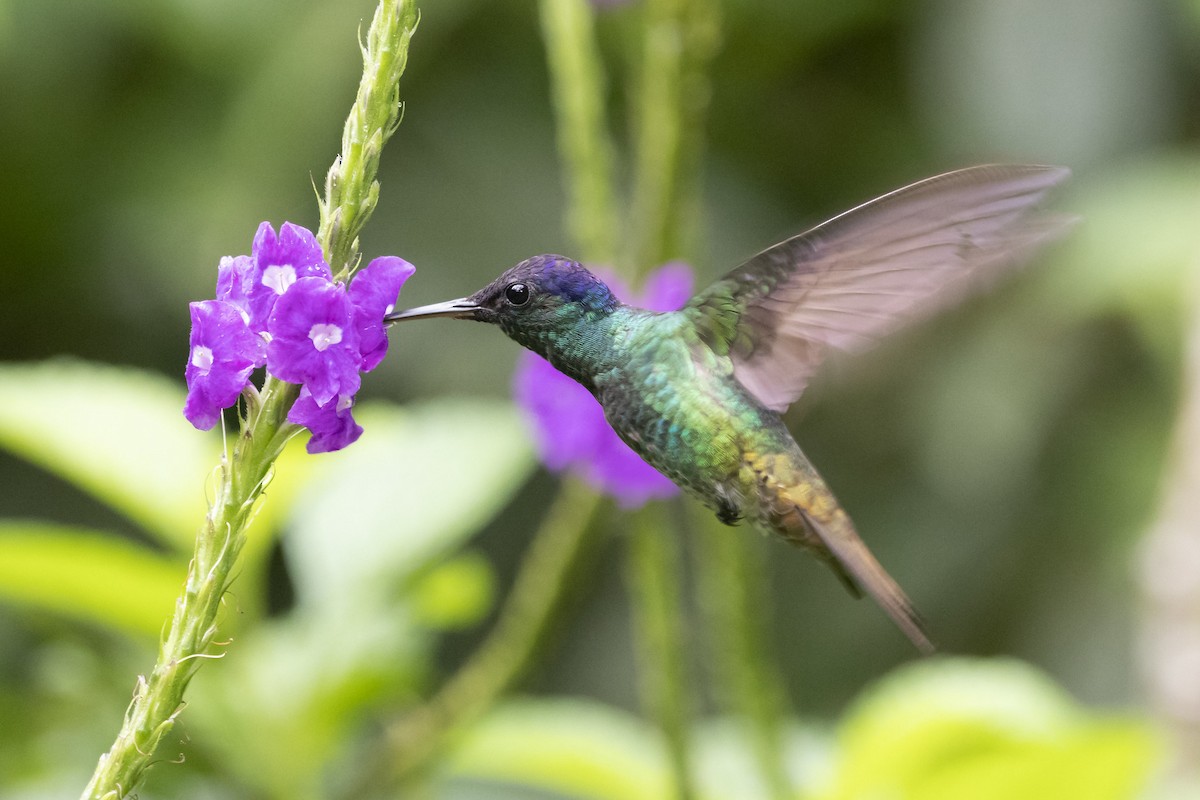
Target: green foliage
[
  {"x": 293, "y": 698},
  {"x": 454, "y": 594},
  {"x": 368, "y": 600},
  {"x": 456, "y": 462},
  {"x": 988, "y": 730},
  {"x": 367, "y": 547},
  {"x": 573, "y": 748},
  {"x": 113, "y": 432},
  {"x": 89, "y": 575},
  {"x": 942, "y": 730}
]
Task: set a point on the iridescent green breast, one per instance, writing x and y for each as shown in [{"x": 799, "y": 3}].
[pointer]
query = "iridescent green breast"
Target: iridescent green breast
[{"x": 674, "y": 401}]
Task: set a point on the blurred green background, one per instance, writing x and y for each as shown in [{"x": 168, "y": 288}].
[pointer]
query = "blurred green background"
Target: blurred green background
[{"x": 1004, "y": 461}]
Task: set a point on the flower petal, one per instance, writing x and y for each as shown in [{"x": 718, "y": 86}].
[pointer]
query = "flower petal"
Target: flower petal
[
  {"x": 280, "y": 261},
  {"x": 313, "y": 340},
  {"x": 235, "y": 277},
  {"x": 332, "y": 425},
  {"x": 618, "y": 471},
  {"x": 373, "y": 292},
  {"x": 222, "y": 352},
  {"x": 667, "y": 288},
  {"x": 567, "y": 421}
]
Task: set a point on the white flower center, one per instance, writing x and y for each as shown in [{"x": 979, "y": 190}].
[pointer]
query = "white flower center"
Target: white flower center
[
  {"x": 278, "y": 277},
  {"x": 344, "y": 402},
  {"x": 323, "y": 335},
  {"x": 202, "y": 358}
]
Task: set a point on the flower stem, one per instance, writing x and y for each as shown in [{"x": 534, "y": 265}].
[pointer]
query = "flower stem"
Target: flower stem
[
  {"x": 564, "y": 541},
  {"x": 680, "y": 39},
  {"x": 158, "y": 700},
  {"x": 584, "y": 145},
  {"x": 351, "y": 194},
  {"x": 351, "y": 190},
  {"x": 656, "y": 586},
  {"x": 733, "y": 599}
]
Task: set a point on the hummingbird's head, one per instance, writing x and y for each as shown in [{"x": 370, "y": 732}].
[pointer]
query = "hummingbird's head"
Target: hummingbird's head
[{"x": 533, "y": 302}]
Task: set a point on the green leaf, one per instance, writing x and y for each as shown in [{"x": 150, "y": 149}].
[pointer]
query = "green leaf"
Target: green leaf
[
  {"x": 88, "y": 575},
  {"x": 1102, "y": 761},
  {"x": 576, "y": 748},
  {"x": 988, "y": 730},
  {"x": 586, "y": 750},
  {"x": 117, "y": 433},
  {"x": 455, "y": 594},
  {"x": 419, "y": 483}
]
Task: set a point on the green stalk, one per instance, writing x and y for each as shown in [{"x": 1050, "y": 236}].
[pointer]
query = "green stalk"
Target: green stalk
[
  {"x": 241, "y": 478},
  {"x": 584, "y": 145},
  {"x": 733, "y": 600},
  {"x": 351, "y": 190},
  {"x": 654, "y": 579},
  {"x": 561, "y": 544},
  {"x": 678, "y": 42},
  {"x": 157, "y": 701},
  {"x": 680, "y": 39}
]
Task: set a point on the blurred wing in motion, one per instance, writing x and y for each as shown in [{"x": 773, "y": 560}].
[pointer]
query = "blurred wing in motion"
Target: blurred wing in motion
[{"x": 856, "y": 278}]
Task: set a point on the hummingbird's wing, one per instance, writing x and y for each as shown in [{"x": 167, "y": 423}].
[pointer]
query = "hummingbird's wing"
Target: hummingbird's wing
[{"x": 852, "y": 280}]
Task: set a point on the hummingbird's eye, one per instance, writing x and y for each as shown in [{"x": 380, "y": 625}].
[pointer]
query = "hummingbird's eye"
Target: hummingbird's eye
[{"x": 517, "y": 294}]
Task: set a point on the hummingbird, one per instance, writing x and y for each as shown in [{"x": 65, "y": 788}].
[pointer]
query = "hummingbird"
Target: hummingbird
[{"x": 699, "y": 392}]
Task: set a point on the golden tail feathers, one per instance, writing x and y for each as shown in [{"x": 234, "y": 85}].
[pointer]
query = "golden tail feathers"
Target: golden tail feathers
[{"x": 859, "y": 569}]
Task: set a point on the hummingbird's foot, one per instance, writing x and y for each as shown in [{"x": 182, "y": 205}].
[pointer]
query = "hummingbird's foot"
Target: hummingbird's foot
[{"x": 728, "y": 512}]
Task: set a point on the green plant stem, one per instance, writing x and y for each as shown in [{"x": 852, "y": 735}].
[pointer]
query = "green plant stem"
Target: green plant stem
[
  {"x": 352, "y": 192},
  {"x": 561, "y": 544},
  {"x": 584, "y": 145},
  {"x": 655, "y": 583},
  {"x": 189, "y": 639},
  {"x": 679, "y": 41},
  {"x": 733, "y": 585}
]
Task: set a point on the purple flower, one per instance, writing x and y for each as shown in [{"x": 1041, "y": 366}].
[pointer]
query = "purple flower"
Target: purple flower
[
  {"x": 332, "y": 425},
  {"x": 280, "y": 261},
  {"x": 280, "y": 307},
  {"x": 373, "y": 292},
  {"x": 569, "y": 426},
  {"x": 314, "y": 340},
  {"x": 235, "y": 277},
  {"x": 668, "y": 288},
  {"x": 222, "y": 353}
]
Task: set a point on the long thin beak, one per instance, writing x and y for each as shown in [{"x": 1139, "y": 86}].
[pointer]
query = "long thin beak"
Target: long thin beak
[{"x": 462, "y": 308}]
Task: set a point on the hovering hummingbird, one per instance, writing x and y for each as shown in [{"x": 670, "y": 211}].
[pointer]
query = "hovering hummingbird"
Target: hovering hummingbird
[{"x": 698, "y": 392}]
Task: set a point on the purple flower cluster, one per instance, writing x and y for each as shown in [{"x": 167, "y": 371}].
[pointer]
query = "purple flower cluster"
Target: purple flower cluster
[
  {"x": 569, "y": 425},
  {"x": 280, "y": 307}
]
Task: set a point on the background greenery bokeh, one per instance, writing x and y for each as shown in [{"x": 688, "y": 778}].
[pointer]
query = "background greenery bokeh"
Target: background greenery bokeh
[{"x": 1003, "y": 461}]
